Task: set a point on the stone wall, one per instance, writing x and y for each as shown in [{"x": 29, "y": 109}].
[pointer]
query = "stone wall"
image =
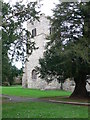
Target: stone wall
[
  {"x": 69, "y": 85},
  {"x": 42, "y": 30},
  {"x": 88, "y": 85}
]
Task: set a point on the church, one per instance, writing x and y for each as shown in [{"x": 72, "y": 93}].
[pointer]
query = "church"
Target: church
[{"x": 39, "y": 30}]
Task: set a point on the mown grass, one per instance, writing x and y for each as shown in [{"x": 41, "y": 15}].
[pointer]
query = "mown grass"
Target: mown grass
[
  {"x": 43, "y": 110},
  {"x": 19, "y": 91},
  {"x": 40, "y": 109}
]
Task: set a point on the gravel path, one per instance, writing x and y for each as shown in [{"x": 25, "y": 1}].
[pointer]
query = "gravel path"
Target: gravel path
[
  {"x": 20, "y": 99},
  {"x": 28, "y": 99}
]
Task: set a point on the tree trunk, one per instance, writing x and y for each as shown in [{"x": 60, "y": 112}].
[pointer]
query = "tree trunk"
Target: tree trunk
[
  {"x": 80, "y": 89},
  {"x": 61, "y": 85}
]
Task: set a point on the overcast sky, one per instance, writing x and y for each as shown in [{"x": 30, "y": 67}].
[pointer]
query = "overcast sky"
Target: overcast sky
[{"x": 45, "y": 8}]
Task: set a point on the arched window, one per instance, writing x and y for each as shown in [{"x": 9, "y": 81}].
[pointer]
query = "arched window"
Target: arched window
[{"x": 34, "y": 74}]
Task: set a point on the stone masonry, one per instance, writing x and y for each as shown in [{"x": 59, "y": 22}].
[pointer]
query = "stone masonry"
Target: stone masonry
[{"x": 29, "y": 80}]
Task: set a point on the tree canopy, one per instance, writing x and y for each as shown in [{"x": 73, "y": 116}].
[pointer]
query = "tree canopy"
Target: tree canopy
[
  {"x": 16, "y": 38},
  {"x": 68, "y": 52},
  {"x": 14, "y": 35}
]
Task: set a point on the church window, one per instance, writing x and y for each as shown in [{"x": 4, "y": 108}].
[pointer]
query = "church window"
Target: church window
[
  {"x": 52, "y": 30},
  {"x": 34, "y": 32},
  {"x": 34, "y": 74}
]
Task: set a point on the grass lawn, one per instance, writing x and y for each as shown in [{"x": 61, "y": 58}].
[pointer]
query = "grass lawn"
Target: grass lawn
[
  {"x": 39, "y": 109},
  {"x": 43, "y": 110},
  {"x": 19, "y": 91}
]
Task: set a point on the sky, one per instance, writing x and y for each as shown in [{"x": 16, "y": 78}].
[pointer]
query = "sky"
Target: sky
[{"x": 46, "y": 8}]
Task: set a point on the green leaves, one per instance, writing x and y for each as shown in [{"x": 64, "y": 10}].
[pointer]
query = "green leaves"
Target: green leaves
[
  {"x": 12, "y": 27},
  {"x": 14, "y": 36},
  {"x": 67, "y": 53}
]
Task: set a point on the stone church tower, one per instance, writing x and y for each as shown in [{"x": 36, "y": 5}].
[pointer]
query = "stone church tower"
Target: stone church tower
[{"x": 39, "y": 31}]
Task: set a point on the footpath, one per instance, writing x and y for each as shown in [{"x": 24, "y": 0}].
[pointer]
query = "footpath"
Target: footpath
[{"x": 28, "y": 99}]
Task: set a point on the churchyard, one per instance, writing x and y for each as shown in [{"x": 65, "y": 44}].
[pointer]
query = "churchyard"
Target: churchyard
[
  {"x": 51, "y": 50},
  {"x": 39, "y": 106}
]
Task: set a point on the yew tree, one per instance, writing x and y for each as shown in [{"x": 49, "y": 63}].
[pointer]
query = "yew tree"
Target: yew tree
[{"x": 68, "y": 50}]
